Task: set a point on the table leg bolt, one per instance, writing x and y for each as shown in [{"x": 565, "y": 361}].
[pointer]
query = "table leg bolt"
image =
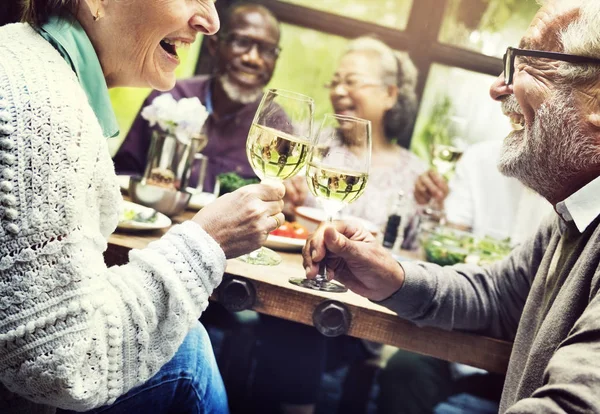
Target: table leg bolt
[
  {"x": 332, "y": 318},
  {"x": 237, "y": 294}
]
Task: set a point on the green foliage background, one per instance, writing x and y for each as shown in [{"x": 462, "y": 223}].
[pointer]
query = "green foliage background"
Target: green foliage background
[{"x": 309, "y": 58}]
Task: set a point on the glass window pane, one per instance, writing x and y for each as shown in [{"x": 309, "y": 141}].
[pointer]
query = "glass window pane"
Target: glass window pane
[
  {"x": 389, "y": 13},
  {"x": 307, "y": 61},
  {"x": 456, "y": 94},
  {"x": 486, "y": 26}
]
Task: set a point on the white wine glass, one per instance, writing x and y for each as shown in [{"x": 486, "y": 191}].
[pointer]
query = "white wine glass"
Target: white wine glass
[
  {"x": 446, "y": 150},
  {"x": 337, "y": 172},
  {"x": 277, "y": 146},
  {"x": 444, "y": 159}
]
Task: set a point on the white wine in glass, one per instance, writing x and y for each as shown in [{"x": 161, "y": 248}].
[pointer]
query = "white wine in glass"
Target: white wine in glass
[
  {"x": 335, "y": 187},
  {"x": 275, "y": 154},
  {"x": 337, "y": 173},
  {"x": 444, "y": 159},
  {"x": 278, "y": 145},
  {"x": 446, "y": 150}
]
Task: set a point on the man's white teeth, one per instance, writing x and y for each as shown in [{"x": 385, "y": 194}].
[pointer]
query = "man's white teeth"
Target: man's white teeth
[
  {"x": 177, "y": 43},
  {"x": 247, "y": 75},
  {"x": 517, "y": 122}
]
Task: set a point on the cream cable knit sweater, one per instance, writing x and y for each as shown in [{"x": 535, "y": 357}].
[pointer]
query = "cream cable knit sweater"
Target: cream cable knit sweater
[{"x": 74, "y": 334}]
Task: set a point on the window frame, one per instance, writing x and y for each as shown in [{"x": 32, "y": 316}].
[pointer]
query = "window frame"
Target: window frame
[{"x": 419, "y": 39}]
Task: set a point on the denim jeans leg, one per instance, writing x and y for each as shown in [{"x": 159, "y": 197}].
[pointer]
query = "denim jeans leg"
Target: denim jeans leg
[
  {"x": 466, "y": 404},
  {"x": 190, "y": 383}
]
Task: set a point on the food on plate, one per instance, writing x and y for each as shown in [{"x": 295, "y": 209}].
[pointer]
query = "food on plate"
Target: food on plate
[
  {"x": 291, "y": 229},
  {"x": 141, "y": 217},
  {"x": 162, "y": 177},
  {"x": 446, "y": 246},
  {"x": 231, "y": 181}
]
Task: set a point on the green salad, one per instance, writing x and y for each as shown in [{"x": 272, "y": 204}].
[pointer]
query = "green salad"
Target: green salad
[
  {"x": 446, "y": 246},
  {"x": 231, "y": 181}
]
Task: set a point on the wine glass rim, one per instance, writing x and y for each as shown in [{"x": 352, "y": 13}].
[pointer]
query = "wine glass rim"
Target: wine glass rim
[
  {"x": 291, "y": 94},
  {"x": 348, "y": 118}
]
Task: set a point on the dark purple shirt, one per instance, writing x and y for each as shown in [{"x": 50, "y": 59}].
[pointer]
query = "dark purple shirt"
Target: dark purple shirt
[{"x": 226, "y": 148}]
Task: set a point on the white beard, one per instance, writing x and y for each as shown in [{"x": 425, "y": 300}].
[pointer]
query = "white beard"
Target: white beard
[
  {"x": 548, "y": 154},
  {"x": 237, "y": 93}
]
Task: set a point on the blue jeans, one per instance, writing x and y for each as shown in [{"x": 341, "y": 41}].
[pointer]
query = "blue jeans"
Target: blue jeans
[
  {"x": 189, "y": 383},
  {"x": 466, "y": 404}
]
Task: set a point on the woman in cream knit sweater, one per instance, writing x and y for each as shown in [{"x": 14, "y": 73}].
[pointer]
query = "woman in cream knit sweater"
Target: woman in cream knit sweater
[{"x": 74, "y": 334}]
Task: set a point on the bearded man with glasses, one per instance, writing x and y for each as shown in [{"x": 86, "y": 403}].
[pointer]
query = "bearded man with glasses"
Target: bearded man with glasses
[
  {"x": 546, "y": 295},
  {"x": 246, "y": 51}
]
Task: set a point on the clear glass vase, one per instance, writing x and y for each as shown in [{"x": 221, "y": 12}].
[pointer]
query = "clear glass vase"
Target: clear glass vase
[{"x": 171, "y": 161}]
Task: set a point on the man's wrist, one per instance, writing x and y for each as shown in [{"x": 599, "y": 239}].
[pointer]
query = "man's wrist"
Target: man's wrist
[{"x": 397, "y": 281}]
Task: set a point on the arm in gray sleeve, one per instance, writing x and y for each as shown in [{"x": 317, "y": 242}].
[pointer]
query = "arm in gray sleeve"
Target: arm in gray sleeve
[
  {"x": 488, "y": 300},
  {"x": 572, "y": 377}
]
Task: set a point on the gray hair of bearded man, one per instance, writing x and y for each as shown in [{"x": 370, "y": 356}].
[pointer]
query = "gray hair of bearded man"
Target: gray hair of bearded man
[
  {"x": 580, "y": 37},
  {"x": 399, "y": 70}
]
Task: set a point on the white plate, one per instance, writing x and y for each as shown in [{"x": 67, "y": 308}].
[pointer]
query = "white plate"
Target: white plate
[
  {"x": 123, "y": 181},
  {"x": 200, "y": 200},
  {"x": 161, "y": 222},
  {"x": 284, "y": 243}
]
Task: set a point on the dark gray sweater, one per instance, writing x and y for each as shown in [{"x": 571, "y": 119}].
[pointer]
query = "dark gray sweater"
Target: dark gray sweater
[{"x": 552, "y": 315}]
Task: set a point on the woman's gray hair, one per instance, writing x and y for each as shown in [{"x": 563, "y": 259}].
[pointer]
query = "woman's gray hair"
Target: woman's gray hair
[
  {"x": 37, "y": 12},
  {"x": 398, "y": 69}
]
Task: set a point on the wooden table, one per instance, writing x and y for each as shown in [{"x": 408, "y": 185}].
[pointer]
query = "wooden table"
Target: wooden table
[{"x": 277, "y": 297}]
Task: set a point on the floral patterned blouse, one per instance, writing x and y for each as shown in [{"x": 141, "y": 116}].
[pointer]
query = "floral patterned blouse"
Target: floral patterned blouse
[
  {"x": 383, "y": 185},
  {"x": 384, "y": 182}
]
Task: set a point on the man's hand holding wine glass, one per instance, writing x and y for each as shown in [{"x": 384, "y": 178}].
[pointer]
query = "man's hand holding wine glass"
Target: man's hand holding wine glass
[{"x": 354, "y": 258}]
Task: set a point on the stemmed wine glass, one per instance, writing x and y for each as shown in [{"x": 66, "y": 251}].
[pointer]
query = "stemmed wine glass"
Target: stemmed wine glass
[
  {"x": 337, "y": 171},
  {"x": 277, "y": 146},
  {"x": 445, "y": 153}
]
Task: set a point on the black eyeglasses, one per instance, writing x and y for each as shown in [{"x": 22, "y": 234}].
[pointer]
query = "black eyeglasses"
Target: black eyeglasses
[
  {"x": 240, "y": 44},
  {"x": 512, "y": 53}
]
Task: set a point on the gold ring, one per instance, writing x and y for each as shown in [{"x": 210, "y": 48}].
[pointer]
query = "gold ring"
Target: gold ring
[{"x": 277, "y": 222}]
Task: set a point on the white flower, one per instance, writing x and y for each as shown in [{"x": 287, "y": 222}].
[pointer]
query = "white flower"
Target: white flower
[
  {"x": 183, "y": 118},
  {"x": 159, "y": 110}
]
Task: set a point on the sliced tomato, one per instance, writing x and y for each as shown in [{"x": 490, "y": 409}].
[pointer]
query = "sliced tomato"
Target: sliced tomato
[
  {"x": 299, "y": 232},
  {"x": 285, "y": 230}
]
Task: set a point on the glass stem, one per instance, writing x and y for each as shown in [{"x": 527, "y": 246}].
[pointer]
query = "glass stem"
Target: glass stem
[
  {"x": 321, "y": 278},
  {"x": 254, "y": 254}
]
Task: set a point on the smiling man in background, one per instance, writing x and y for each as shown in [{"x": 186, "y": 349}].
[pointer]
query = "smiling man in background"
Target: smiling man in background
[{"x": 246, "y": 50}]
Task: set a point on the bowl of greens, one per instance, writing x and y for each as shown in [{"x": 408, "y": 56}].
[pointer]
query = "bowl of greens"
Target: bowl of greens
[
  {"x": 231, "y": 181},
  {"x": 447, "y": 246}
]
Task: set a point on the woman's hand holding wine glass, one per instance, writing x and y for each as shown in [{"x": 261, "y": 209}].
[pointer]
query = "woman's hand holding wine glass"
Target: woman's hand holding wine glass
[
  {"x": 252, "y": 211},
  {"x": 277, "y": 147}
]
